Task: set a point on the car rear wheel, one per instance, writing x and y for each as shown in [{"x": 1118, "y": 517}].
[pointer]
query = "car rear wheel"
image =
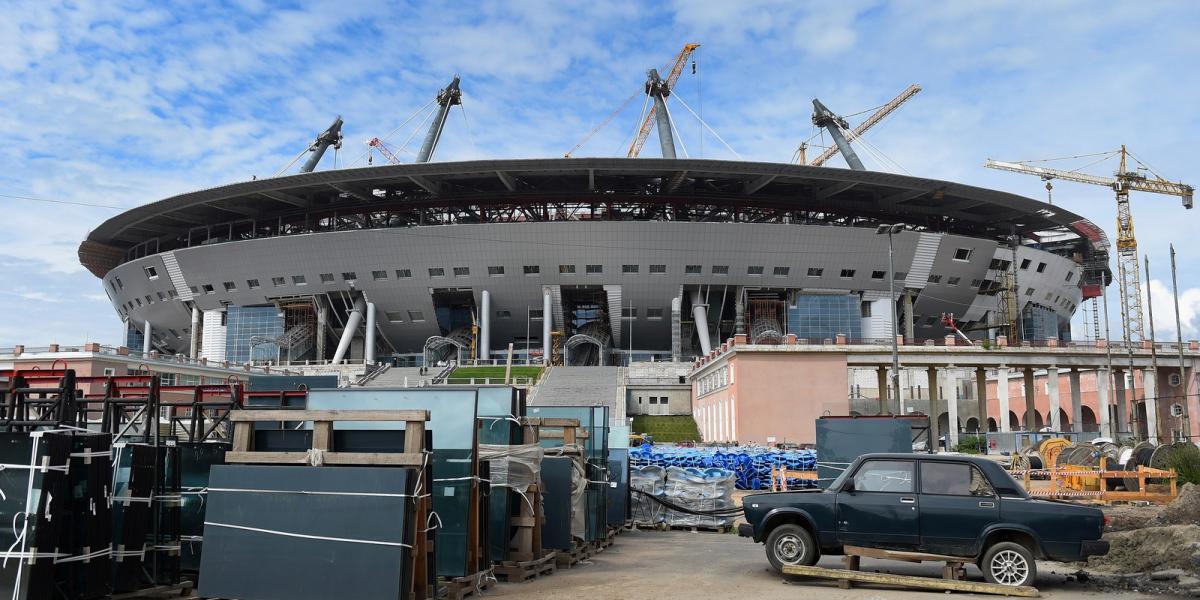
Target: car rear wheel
[
  {"x": 791, "y": 545},
  {"x": 1009, "y": 563}
]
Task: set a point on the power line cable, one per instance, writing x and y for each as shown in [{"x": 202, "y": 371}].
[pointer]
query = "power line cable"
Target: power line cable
[{"x": 53, "y": 201}]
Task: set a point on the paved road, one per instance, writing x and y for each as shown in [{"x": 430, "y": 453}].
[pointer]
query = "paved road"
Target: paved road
[{"x": 649, "y": 565}]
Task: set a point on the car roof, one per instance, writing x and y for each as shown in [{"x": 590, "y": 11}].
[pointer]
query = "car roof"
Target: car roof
[{"x": 924, "y": 456}]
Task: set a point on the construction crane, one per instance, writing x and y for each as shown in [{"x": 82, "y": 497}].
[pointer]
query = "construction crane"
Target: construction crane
[
  {"x": 1122, "y": 182},
  {"x": 387, "y": 153},
  {"x": 857, "y": 132},
  {"x": 659, "y": 89}
]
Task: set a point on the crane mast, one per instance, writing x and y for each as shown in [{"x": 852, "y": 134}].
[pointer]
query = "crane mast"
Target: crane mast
[
  {"x": 666, "y": 86},
  {"x": 868, "y": 123},
  {"x": 1122, "y": 183}
]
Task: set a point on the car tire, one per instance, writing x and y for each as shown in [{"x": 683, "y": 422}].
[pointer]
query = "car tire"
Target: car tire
[
  {"x": 791, "y": 544},
  {"x": 1008, "y": 563}
]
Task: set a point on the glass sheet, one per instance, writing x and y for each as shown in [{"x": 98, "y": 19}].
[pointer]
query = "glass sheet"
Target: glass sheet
[
  {"x": 593, "y": 419},
  {"x": 498, "y": 410},
  {"x": 196, "y": 460}
]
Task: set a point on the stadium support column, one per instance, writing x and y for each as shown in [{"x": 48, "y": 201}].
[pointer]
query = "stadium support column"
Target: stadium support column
[
  {"x": 1076, "y": 401},
  {"x": 1150, "y": 391},
  {"x": 352, "y": 323},
  {"x": 547, "y": 326},
  {"x": 934, "y": 428},
  {"x": 1104, "y": 403},
  {"x": 1055, "y": 420},
  {"x": 676, "y": 335},
  {"x": 194, "y": 350},
  {"x": 908, "y": 317},
  {"x": 1122, "y": 412},
  {"x": 369, "y": 337},
  {"x": 881, "y": 374},
  {"x": 485, "y": 325},
  {"x": 322, "y": 324},
  {"x": 700, "y": 315},
  {"x": 981, "y": 398},
  {"x": 1030, "y": 401},
  {"x": 146, "y": 345},
  {"x": 1002, "y": 421}
]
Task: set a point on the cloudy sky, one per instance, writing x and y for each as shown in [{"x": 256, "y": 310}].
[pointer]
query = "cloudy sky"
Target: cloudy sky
[{"x": 108, "y": 105}]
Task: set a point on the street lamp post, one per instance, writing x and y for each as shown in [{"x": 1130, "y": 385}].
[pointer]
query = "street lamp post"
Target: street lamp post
[{"x": 891, "y": 230}]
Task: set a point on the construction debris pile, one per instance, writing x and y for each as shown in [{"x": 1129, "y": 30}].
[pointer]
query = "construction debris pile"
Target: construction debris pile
[{"x": 751, "y": 465}]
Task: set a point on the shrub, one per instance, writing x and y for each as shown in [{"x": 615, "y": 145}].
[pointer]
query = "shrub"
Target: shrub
[
  {"x": 972, "y": 444},
  {"x": 1186, "y": 461}
]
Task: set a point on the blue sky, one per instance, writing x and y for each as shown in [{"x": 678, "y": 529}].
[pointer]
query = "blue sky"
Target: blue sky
[{"x": 119, "y": 104}]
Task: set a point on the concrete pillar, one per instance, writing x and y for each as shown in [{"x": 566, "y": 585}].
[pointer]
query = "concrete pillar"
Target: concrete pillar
[
  {"x": 1030, "y": 401},
  {"x": 981, "y": 398},
  {"x": 908, "y": 318},
  {"x": 1150, "y": 389},
  {"x": 934, "y": 430},
  {"x": 197, "y": 328},
  {"x": 352, "y": 323},
  {"x": 1002, "y": 420},
  {"x": 1121, "y": 410},
  {"x": 485, "y": 325},
  {"x": 547, "y": 323},
  {"x": 881, "y": 374},
  {"x": 369, "y": 338},
  {"x": 146, "y": 345},
  {"x": 1055, "y": 420},
  {"x": 1104, "y": 402},
  {"x": 952, "y": 397},
  {"x": 322, "y": 325},
  {"x": 700, "y": 316},
  {"x": 1076, "y": 401},
  {"x": 676, "y": 336}
]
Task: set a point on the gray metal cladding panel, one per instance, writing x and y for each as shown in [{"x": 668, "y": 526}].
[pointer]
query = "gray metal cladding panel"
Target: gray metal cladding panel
[
  {"x": 278, "y": 563},
  {"x": 556, "y": 502},
  {"x": 841, "y": 441}
]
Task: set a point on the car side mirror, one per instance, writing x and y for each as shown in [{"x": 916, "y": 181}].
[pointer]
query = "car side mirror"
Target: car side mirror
[{"x": 848, "y": 487}]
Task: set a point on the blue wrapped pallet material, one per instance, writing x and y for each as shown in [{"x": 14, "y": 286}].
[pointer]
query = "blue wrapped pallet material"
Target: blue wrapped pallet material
[{"x": 751, "y": 465}]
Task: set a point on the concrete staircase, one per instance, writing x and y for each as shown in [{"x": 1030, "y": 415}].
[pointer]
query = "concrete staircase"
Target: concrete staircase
[
  {"x": 582, "y": 386},
  {"x": 396, "y": 377}
]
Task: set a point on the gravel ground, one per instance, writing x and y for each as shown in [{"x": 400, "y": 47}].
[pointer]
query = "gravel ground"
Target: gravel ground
[{"x": 683, "y": 565}]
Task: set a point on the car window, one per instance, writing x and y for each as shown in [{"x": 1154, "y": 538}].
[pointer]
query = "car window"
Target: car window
[
  {"x": 885, "y": 476},
  {"x": 953, "y": 479}
]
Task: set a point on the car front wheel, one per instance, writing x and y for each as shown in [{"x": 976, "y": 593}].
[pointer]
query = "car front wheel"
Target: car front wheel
[
  {"x": 791, "y": 545},
  {"x": 1009, "y": 563}
]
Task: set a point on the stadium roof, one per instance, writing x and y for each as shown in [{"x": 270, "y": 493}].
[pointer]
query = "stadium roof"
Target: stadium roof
[{"x": 642, "y": 188}]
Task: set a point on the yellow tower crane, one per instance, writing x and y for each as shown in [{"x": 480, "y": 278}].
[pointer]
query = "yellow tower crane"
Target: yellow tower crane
[
  {"x": 1122, "y": 182},
  {"x": 672, "y": 76}
]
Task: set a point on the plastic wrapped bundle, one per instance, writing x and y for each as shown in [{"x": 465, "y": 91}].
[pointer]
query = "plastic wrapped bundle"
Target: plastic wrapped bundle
[
  {"x": 700, "y": 490},
  {"x": 649, "y": 480}
]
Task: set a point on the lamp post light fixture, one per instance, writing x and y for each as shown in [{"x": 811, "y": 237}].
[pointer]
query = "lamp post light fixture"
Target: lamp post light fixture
[{"x": 891, "y": 230}]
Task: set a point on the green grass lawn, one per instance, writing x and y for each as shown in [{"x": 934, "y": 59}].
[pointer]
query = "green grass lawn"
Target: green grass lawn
[
  {"x": 667, "y": 428},
  {"x": 496, "y": 374}
]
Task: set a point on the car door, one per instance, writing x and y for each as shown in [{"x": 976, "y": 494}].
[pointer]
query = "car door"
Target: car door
[
  {"x": 877, "y": 506},
  {"x": 956, "y": 504}
]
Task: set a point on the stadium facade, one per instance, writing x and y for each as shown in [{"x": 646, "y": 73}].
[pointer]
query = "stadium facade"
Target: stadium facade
[{"x": 583, "y": 261}]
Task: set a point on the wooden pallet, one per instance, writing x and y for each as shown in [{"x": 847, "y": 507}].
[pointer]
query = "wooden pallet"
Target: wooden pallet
[
  {"x": 579, "y": 552},
  {"x": 528, "y": 570},
  {"x": 703, "y": 528},
  {"x": 458, "y": 588},
  {"x": 183, "y": 589}
]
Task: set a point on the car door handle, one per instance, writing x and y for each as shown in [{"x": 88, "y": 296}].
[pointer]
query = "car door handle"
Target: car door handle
[
  {"x": 987, "y": 505},
  {"x": 908, "y": 501}
]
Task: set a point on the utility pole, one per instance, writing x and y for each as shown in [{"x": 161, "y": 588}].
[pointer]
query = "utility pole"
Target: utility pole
[
  {"x": 890, "y": 230},
  {"x": 1183, "y": 379}
]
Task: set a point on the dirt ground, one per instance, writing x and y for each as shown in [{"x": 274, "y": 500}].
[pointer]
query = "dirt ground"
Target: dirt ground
[{"x": 684, "y": 565}]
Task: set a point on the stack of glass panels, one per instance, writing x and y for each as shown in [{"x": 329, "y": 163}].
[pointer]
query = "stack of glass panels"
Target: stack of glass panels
[
  {"x": 196, "y": 461},
  {"x": 500, "y": 408},
  {"x": 28, "y": 504},
  {"x": 132, "y": 488},
  {"x": 87, "y": 531},
  {"x": 593, "y": 420}
]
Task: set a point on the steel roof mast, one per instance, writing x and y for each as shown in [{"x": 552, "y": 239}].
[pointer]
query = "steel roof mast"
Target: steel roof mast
[
  {"x": 330, "y": 137},
  {"x": 445, "y": 99},
  {"x": 659, "y": 89},
  {"x": 823, "y": 117}
]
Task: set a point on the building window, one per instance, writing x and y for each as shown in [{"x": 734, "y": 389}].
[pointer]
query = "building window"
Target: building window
[
  {"x": 299, "y": 280},
  {"x": 754, "y": 270},
  {"x": 976, "y": 283},
  {"x": 953, "y": 280},
  {"x": 847, "y": 273},
  {"x": 628, "y": 312},
  {"x": 654, "y": 313},
  {"x": 999, "y": 264},
  {"x": 566, "y": 269},
  {"x": 416, "y": 316},
  {"x": 208, "y": 289},
  {"x": 1173, "y": 379},
  {"x": 878, "y": 275},
  {"x": 815, "y": 271},
  {"x": 252, "y": 284},
  {"x": 379, "y": 275},
  {"x": 229, "y": 286},
  {"x": 865, "y": 309},
  {"x": 503, "y": 314},
  {"x": 462, "y": 271},
  {"x": 963, "y": 254},
  {"x": 149, "y": 300},
  {"x": 658, "y": 269},
  {"x": 1025, "y": 263},
  {"x": 532, "y": 269},
  {"x": 350, "y": 276},
  {"x": 173, "y": 294},
  {"x": 629, "y": 268},
  {"x": 720, "y": 269},
  {"x": 437, "y": 272},
  {"x": 326, "y": 277},
  {"x": 119, "y": 284},
  {"x": 1070, "y": 276},
  {"x": 692, "y": 269},
  {"x": 109, "y": 371},
  {"x": 935, "y": 279},
  {"x": 1029, "y": 291},
  {"x": 496, "y": 271},
  {"x": 162, "y": 297},
  {"x": 900, "y": 275},
  {"x": 139, "y": 302},
  {"x": 781, "y": 271},
  {"x": 394, "y": 316},
  {"x": 535, "y": 313},
  {"x": 595, "y": 269},
  {"x": 151, "y": 273},
  {"x": 1041, "y": 268},
  {"x": 403, "y": 273}
]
